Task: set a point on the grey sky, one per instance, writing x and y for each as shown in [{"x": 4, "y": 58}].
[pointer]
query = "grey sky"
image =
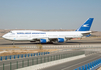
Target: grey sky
[{"x": 49, "y": 14}]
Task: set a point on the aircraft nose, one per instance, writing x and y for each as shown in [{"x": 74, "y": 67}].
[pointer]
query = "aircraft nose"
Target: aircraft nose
[{"x": 3, "y": 36}]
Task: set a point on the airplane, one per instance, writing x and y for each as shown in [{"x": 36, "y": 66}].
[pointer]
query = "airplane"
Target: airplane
[{"x": 49, "y": 36}]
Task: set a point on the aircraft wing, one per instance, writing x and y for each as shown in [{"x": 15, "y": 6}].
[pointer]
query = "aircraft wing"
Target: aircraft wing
[
  {"x": 55, "y": 38},
  {"x": 51, "y": 38}
]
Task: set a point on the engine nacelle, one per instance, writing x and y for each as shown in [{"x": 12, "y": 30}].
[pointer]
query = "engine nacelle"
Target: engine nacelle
[
  {"x": 61, "y": 40},
  {"x": 44, "y": 40}
]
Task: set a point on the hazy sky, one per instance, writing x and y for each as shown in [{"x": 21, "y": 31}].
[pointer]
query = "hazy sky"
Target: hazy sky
[{"x": 49, "y": 14}]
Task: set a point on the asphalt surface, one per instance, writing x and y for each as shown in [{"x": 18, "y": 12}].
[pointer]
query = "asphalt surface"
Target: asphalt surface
[
  {"x": 4, "y": 42},
  {"x": 65, "y": 66},
  {"x": 74, "y": 64}
]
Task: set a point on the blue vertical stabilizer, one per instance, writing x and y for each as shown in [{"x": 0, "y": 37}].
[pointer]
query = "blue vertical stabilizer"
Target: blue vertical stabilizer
[{"x": 86, "y": 26}]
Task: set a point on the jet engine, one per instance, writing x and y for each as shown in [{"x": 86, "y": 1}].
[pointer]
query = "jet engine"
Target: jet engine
[
  {"x": 61, "y": 40},
  {"x": 44, "y": 40}
]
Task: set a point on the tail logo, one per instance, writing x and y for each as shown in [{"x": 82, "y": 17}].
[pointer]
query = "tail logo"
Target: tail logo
[{"x": 86, "y": 25}]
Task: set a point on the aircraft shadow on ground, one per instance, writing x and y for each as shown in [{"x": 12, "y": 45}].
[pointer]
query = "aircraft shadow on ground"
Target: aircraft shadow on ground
[{"x": 67, "y": 43}]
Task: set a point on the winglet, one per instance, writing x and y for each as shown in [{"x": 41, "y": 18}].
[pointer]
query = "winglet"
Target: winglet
[{"x": 86, "y": 26}]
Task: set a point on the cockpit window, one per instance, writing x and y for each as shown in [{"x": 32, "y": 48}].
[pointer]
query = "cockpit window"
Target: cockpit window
[{"x": 10, "y": 32}]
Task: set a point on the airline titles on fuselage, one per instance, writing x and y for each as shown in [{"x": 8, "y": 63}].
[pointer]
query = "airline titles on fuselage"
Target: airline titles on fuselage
[{"x": 29, "y": 33}]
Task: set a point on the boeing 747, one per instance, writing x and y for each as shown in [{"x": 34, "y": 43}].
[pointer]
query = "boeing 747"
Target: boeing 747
[{"x": 51, "y": 36}]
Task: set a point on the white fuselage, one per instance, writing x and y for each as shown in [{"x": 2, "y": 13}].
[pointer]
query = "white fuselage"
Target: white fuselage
[{"x": 30, "y": 35}]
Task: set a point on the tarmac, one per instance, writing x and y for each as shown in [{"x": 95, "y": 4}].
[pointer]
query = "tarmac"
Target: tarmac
[
  {"x": 96, "y": 42},
  {"x": 84, "y": 41}
]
